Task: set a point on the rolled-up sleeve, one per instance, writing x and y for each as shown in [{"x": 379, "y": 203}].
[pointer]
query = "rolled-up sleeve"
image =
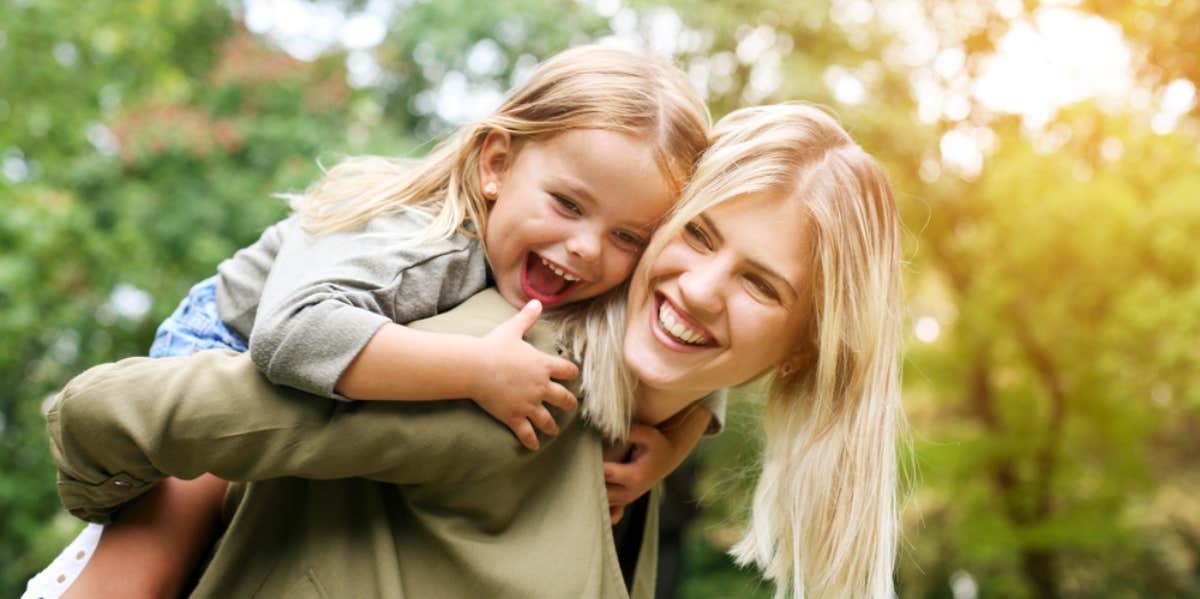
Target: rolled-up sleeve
[{"x": 327, "y": 295}]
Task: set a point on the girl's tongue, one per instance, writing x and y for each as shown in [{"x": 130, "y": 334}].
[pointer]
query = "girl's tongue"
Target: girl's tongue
[{"x": 540, "y": 283}]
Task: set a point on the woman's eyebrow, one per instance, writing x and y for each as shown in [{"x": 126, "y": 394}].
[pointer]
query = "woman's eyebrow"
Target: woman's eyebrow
[
  {"x": 712, "y": 227},
  {"x": 772, "y": 274}
]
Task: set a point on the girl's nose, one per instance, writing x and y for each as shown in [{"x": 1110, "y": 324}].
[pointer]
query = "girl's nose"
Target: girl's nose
[
  {"x": 701, "y": 287},
  {"x": 585, "y": 245}
]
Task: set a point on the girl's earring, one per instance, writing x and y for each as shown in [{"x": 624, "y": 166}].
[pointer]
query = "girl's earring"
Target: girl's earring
[
  {"x": 491, "y": 190},
  {"x": 785, "y": 370}
]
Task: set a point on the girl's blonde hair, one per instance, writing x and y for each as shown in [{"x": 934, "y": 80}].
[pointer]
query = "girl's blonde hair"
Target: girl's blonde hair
[
  {"x": 824, "y": 518},
  {"x": 589, "y": 87}
]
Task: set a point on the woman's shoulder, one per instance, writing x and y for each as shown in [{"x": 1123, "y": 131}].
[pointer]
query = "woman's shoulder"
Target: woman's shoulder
[{"x": 476, "y": 316}]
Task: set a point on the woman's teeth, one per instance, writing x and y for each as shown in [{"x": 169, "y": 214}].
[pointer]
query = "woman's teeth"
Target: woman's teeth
[
  {"x": 678, "y": 330},
  {"x": 558, "y": 271}
]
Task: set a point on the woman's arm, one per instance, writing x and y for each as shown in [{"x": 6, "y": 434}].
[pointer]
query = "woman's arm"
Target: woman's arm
[{"x": 118, "y": 428}]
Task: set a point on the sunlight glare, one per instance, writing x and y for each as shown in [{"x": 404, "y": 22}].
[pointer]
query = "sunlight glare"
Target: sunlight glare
[
  {"x": 1063, "y": 56},
  {"x": 927, "y": 329}
]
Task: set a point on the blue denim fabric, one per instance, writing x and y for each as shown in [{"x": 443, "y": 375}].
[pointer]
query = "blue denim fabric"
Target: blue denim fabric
[{"x": 195, "y": 325}]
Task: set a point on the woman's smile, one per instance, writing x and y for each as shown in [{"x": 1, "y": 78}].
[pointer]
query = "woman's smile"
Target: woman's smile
[{"x": 676, "y": 329}]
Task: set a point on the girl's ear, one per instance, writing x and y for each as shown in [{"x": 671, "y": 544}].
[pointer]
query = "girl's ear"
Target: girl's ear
[{"x": 494, "y": 159}]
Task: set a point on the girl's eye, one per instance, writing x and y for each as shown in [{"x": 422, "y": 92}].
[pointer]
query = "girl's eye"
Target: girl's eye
[
  {"x": 629, "y": 240},
  {"x": 697, "y": 237},
  {"x": 763, "y": 288},
  {"x": 568, "y": 205}
]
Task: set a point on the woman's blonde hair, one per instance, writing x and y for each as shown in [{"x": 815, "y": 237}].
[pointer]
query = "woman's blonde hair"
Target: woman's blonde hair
[
  {"x": 589, "y": 87},
  {"x": 824, "y": 518}
]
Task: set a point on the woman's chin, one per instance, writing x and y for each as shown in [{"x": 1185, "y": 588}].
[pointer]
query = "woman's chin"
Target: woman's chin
[{"x": 648, "y": 367}]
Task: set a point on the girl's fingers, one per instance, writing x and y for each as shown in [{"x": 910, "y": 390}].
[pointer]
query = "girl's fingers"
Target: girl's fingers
[
  {"x": 544, "y": 421},
  {"x": 519, "y": 324},
  {"x": 616, "y": 513},
  {"x": 563, "y": 370},
  {"x": 640, "y": 433},
  {"x": 560, "y": 398},
  {"x": 524, "y": 432},
  {"x": 618, "y": 474},
  {"x": 609, "y": 472},
  {"x": 523, "y": 320},
  {"x": 618, "y": 495}
]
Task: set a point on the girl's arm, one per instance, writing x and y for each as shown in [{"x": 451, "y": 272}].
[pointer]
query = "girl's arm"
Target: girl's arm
[
  {"x": 502, "y": 373},
  {"x": 324, "y": 321},
  {"x": 651, "y": 455}
]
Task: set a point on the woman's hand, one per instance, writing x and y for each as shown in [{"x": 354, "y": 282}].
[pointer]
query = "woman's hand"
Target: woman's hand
[{"x": 517, "y": 380}]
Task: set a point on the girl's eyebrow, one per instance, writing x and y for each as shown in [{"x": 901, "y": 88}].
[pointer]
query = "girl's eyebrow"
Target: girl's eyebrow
[{"x": 577, "y": 190}]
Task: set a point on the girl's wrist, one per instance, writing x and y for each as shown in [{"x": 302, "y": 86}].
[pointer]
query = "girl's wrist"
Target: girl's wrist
[{"x": 478, "y": 366}]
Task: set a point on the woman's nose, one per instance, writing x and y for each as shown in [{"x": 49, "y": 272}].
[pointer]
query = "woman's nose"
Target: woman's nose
[{"x": 701, "y": 287}]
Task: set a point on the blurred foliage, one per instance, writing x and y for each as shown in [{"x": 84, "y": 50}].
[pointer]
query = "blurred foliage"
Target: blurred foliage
[{"x": 1055, "y": 417}]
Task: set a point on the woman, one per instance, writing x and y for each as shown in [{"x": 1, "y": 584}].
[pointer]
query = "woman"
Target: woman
[{"x": 783, "y": 256}]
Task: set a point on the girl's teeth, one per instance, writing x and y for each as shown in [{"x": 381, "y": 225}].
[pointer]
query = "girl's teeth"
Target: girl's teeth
[
  {"x": 677, "y": 329},
  {"x": 558, "y": 271}
]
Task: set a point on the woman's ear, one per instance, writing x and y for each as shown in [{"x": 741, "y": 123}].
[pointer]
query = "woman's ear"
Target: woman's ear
[
  {"x": 494, "y": 159},
  {"x": 799, "y": 358}
]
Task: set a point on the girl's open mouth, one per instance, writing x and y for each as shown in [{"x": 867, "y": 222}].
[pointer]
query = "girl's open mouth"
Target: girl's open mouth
[{"x": 546, "y": 281}]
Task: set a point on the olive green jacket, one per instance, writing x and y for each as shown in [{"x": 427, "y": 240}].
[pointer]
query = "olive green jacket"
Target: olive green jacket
[{"x": 444, "y": 502}]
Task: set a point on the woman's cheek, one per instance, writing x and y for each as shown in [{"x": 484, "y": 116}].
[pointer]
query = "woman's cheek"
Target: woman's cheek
[{"x": 672, "y": 258}]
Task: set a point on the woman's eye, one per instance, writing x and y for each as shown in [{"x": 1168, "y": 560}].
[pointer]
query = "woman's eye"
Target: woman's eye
[
  {"x": 697, "y": 237},
  {"x": 762, "y": 287},
  {"x": 568, "y": 205},
  {"x": 629, "y": 240}
]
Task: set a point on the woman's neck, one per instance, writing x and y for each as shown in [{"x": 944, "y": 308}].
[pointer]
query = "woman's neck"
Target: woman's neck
[{"x": 653, "y": 406}]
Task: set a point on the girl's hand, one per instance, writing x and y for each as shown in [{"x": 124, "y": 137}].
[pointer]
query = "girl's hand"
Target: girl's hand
[
  {"x": 516, "y": 380},
  {"x": 651, "y": 458}
]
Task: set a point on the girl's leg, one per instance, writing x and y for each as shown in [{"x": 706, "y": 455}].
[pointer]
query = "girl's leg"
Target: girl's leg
[
  {"x": 158, "y": 539},
  {"x": 155, "y": 543}
]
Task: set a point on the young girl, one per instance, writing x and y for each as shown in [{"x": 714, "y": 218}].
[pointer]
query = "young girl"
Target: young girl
[{"x": 550, "y": 199}]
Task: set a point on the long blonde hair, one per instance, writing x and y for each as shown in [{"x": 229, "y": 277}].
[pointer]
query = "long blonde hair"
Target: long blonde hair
[
  {"x": 589, "y": 87},
  {"x": 824, "y": 518}
]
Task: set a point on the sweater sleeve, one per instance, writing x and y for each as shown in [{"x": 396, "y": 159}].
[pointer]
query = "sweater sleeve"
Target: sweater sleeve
[{"x": 326, "y": 296}]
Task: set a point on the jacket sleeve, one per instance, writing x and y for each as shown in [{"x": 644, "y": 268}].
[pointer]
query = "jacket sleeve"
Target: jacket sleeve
[{"x": 118, "y": 428}]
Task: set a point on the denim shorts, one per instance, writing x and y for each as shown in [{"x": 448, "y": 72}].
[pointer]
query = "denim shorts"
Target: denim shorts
[{"x": 195, "y": 326}]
